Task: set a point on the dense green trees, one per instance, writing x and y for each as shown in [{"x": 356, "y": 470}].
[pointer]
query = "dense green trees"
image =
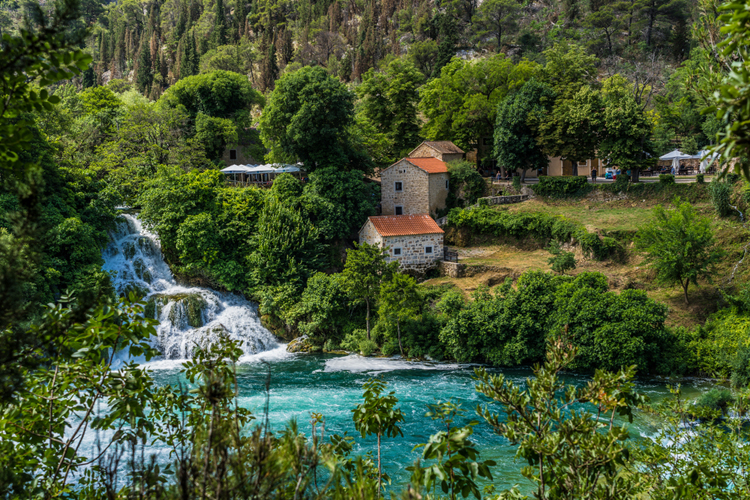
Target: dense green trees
[
  {"x": 462, "y": 103},
  {"x": 307, "y": 119},
  {"x": 389, "y": 101},
  {"x": 516, "y": 146},
  {"x": 511, "y": 326}
]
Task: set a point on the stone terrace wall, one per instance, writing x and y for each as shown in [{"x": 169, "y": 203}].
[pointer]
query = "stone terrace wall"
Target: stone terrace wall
[{"x": 504, "y": 200}]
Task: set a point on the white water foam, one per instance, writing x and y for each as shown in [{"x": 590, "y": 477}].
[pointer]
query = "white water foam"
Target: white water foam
[
  {"x": 355, "y": 363},
  {"x": 188, "y": 316}
]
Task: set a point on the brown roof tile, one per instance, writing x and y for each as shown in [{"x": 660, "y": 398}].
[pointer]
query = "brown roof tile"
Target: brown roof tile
[
  {"x": 402, "y": 225},
  {"x": 445, "y": 147},
  {"x": 430, "y": 165}
]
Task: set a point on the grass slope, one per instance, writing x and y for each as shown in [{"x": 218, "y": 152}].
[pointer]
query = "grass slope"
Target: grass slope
[{"x": 491, "y": 260}]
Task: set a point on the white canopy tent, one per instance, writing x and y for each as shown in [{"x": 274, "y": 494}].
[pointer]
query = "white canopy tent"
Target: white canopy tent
[
  {"x": 259, "y": 174},
  {"x": 706, "y": 159},
  {"x": 676, "y": 155}
]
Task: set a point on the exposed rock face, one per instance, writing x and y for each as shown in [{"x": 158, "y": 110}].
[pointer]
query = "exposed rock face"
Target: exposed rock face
[{"x": 300, "y": 344}]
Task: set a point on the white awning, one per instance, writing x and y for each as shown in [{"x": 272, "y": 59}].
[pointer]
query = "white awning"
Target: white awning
[
  {"x": 236, "y": 169},
  {"x": 676, "y": 154}
]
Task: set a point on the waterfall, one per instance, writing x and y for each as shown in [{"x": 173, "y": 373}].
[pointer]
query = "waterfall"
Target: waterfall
[{"x": 188, "y": 316}]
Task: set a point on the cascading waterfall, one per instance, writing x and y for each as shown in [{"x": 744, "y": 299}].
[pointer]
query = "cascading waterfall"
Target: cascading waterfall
[{"x": 188, "y": 316}]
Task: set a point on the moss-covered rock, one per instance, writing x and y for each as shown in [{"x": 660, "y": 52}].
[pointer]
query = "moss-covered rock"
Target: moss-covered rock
[
  {"x": 128, "y": 249},
  {"x": 141, "y": 270},
  {"x": 192, "y": 304},
  {"x": 301, "y": 344}
]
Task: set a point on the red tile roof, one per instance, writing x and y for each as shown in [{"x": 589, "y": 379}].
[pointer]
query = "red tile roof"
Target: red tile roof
[
  {"x": 402, "y": 225},
  {"x": 430, "y": 165}
]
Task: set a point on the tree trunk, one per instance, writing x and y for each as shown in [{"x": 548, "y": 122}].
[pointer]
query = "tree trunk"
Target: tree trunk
[
  {"x": 367, "y": 301},
  {"x": 380, "y": 474},
  {"x": 398, "y": 329},
  {"x": 523, "y": 175},
  {"x": 636, "y": 177},
  {"x": 575, "y": 168},
  {"x": 685, "y": 288}
]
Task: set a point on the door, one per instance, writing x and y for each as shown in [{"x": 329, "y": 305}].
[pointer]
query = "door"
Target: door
[{"x": 567, "y": 167}]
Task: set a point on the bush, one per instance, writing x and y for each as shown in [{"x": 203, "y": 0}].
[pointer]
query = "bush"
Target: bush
[
  {"x": 721, "y": 193},
  {"x": 367, "y": 347},
  {"x": 740, "y": 378},
  {"x": 466, "y": 184},
  {"x": 666, "y": 179},
  {"x": 560, "y": 261},
  {"x": 353, "y": 340},
  {"x": 716, "y": 400},
  {"x": 517, "y": 183},
  {"x": 330, "y": 345},
  {"x": 561, "y": 187},
  {"x": 701, "y": 178}
]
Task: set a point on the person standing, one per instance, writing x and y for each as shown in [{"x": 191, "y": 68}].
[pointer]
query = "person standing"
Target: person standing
[{"x": 593, "y": 175}]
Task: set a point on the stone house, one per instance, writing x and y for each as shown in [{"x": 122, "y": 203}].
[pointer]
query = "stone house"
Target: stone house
[
  {"x": 559, "y": 166},
  {"x": 442, "y": 150},
  {"x": 415, "y": 241},
  {"x": 413, "y": 186}
]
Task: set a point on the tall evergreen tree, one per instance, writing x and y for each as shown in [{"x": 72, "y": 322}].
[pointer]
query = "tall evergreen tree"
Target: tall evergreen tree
[
  {"x": 270, "y": 68},
  {"x": 143, "y": 76},
  {"x": 188, "y": 56},
  {"x": 448, "y": 40},
  {"x": 219, "y": 34}
]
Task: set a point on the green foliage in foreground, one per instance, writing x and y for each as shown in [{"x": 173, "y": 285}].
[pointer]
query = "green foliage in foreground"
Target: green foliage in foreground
[{"x": 572, "y": 438}]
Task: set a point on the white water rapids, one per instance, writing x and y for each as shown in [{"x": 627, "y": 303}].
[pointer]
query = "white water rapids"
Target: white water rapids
[{"x": 188, "y": 316}]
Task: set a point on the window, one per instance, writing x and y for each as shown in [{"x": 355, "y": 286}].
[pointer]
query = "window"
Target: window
[
  {"x": 582, "y": 163},
  {"x": 399, "y": 186},
  {"x": 428, "y": 250},
  {"x": 396, "y": 252},
  {"x": 446, "y": 184},
  {"x": 399, "y": 210},
  {"x": 232, "y": 154}
]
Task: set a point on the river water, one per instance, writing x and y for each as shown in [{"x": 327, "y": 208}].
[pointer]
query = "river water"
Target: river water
[{"x": 306, "y": 383}]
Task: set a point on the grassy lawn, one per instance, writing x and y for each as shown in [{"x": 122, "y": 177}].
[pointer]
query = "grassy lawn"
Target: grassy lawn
[{"x": 493, "y": 261}]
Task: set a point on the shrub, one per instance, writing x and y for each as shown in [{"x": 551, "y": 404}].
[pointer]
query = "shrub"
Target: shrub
[
  {"x": 716, "y": 399},
  {"x": 330, "y": 345},
  {"x": 561, "y": 260},
  {"x": 561, "y": 187},
  {"x": 666, "y": 179},
  {"x": 721, "y": 193},
  {"x": 740, "y": 378},
  {"x": 517, "y": 183},
  {"x": 389, "y": 348},
  {"x": 701, "y": 178},
  {"x": 466, "y": 184},
  {"x": 367, "y": 347},
  {"x": 353, "y": 340}
]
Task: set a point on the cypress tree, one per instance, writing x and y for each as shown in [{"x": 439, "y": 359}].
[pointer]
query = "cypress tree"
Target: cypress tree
[
  {"x": 270, "y": 68},
  {"x": 447, "y": 45},
  {"x": 219, "y": 35},
  {"x": 240, "y": 13},
  {"x": 143, "y": 76}
]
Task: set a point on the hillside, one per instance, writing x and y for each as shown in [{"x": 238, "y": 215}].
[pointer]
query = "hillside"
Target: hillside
[{"x": 490, "y": 260}]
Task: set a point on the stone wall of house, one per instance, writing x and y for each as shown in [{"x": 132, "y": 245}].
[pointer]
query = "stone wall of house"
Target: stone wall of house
[
  {"x": 438, "y": 192},
  {"x": 413, "y": 256},
  {"x": 369, "y": 235},
  {"x": 414, "y": 198},
  {"x": 243, "y": 155}
]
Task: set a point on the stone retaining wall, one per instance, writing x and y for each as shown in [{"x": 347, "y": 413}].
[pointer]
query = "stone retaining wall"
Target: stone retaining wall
[{"x": 504, "y": 200}]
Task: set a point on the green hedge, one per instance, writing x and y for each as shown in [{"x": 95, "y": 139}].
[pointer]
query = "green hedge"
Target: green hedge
[
  {"x": 560, "y": 187},
  {"x": 540, "y": 226}
]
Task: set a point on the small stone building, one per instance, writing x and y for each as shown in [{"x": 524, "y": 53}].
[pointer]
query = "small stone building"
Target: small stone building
[
  {"x": 413, "y": 186},
  {"x": 415, "y": 241},
  {"x": 442, "y": 150}
]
